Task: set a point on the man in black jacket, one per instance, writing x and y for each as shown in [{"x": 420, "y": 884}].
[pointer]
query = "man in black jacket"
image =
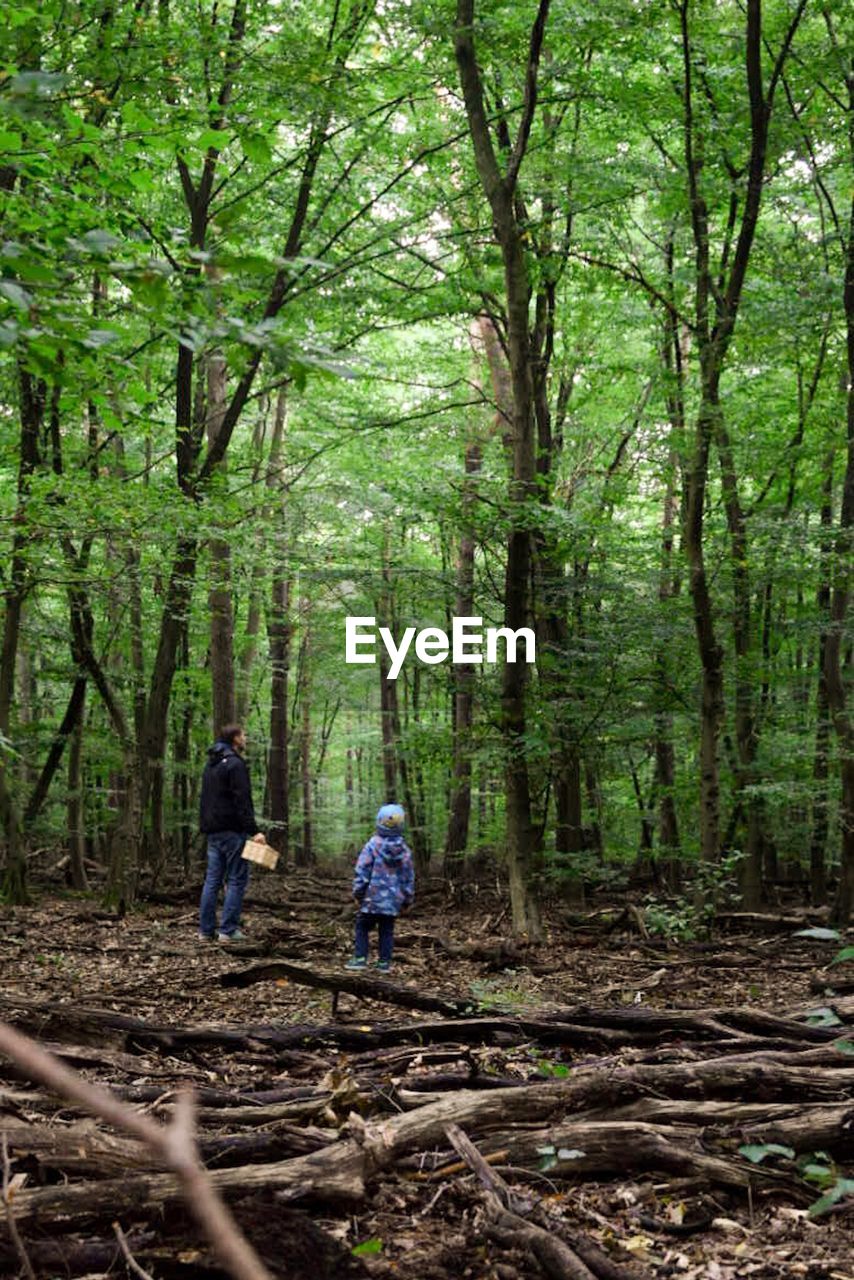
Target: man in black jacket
[{"x": 227, "y": 817}]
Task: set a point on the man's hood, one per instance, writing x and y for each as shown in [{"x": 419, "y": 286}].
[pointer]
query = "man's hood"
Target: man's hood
[{"x": 219, "y": 751}]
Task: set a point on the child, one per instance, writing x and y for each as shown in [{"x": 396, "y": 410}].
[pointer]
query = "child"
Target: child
[{"x": 384, "y": 885}]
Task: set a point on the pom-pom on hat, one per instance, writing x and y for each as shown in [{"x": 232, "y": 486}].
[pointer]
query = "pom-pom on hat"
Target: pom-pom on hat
[{"x": 391, "y": 817}]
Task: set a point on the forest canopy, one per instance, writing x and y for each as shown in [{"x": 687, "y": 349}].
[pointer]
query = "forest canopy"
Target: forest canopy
[{"x": 537, "y": 314}]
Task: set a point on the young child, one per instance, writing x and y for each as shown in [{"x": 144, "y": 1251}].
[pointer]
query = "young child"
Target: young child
[{"x": 384, "y": 885}]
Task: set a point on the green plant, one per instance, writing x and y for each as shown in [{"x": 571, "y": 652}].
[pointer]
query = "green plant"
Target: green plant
[
  {"x": 367, "y": 1247},
  {"x": 553, "y": 1156},
  {"x": 665, "y": 921},
  {"x": 493, "y": 994},
  {"x": 693, "y": 914}
]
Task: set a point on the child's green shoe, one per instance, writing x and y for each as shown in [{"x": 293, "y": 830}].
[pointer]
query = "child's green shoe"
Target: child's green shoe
[
  {"x": 358, "y": 962},
  {"x": 383, "y": 966}
]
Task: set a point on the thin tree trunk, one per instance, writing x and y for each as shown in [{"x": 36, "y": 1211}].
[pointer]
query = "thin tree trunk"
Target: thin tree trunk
[
  {"x": 305, "y": 851},
  {"x": 843, "y": 553},
  {"x": 73, "y": 712},
  {"x": 388, "y": 699},
  {"x": 463, "y": 675},
  {"x": 219, "y": 595},
  {"x": 279, "y": 637},
  {"x": 668, "y": 586},
  {"x": 717, "y": 303},
  {"x": 181, "y": 756},
  {"x": 820, "y": 770},
  {"x": 32, "y": 405},
  {"x": 76, "y": 808},
  {"x": 500, "y": 188}
]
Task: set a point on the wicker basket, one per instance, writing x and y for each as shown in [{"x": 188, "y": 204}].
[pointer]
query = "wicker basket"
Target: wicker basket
[{"x": 254, "y": 851}]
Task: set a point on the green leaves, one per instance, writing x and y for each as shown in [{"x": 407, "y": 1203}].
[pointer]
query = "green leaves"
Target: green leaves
[
  {"x": 553, "y": 1156},
  {"x": 823, "y": 1017},
  {"x": 18, "y": 296},
  {"x": 842, "y": 1189},
  {"x": 368, "y": 1248},
  {"x": 757, "y": 1152},
  {"x": 256, "y": 148}
]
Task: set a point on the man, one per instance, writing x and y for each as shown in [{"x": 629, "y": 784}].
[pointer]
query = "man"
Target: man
[{"x": 227, "y": 817}]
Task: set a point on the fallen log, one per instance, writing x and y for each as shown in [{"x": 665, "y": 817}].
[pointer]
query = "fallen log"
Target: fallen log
[
  {"x": 121, "y": 1030},
  {"x": 806, "y": 1126},
  {"x": 85, "y": 1148},
  {"x": 564, "y": 1259},
  {"x": 80, "y": 1257},
  {"x": 341, "y": 1170},
  {"x": 582, "y": 1027},
  {"x": 363, "y": 985}
]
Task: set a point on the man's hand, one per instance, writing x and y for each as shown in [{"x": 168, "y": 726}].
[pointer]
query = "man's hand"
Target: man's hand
[
  {"x": 405, "y": 909},
  {"x": 259, "y": 838}
]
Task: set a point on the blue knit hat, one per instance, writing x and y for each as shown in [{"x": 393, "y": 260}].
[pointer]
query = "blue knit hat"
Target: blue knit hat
[{"x": 391, "y": 817}]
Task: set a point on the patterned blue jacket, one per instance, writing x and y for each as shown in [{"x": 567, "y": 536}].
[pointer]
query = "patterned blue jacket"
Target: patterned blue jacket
[{"x": 385, "y": 877}]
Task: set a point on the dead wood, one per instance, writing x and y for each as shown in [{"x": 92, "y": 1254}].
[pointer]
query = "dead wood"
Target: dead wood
[
  {"x": 558, "y": 1256},
  {"x": 81, "y": 1257},
  {"x": 646, "y": 1024},
  {"x": 341, "y": 1170},
  {"x": 828, "y": 980},
  {"x": 356, "y": 984},
  {"x": 614, "y": 1146},
  {"x": 84, "y": 1148},
  {"x": 175, "y": 1147},
  {"x": 500, "y": 953},
  {"x": 750, "y": 921},
  {"x": 578, "y": 1027},
  {"x": 805, "y": 1126},
  {"x": 100, "y": 1026}
]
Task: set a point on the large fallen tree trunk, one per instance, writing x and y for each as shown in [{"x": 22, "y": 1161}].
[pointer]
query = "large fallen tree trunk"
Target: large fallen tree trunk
[
  {"x": 341, "y": 1170},
  {"x": 579, "y": 1026}
]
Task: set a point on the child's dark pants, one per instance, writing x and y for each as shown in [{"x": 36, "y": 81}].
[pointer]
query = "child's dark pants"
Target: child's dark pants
[{"x": 365, "y": 921}]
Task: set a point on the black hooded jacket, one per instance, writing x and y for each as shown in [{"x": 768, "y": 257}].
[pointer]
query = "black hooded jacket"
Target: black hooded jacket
[{"x": 226, "y": 801}]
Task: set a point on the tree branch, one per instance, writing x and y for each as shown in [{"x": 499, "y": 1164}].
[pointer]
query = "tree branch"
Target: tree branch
[
  {"x": 174, "y": 1145},
  {"x": 530, "y": 103}
]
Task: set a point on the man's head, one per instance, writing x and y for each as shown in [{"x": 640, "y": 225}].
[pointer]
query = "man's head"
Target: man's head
[{"x": 234, "y": 735}]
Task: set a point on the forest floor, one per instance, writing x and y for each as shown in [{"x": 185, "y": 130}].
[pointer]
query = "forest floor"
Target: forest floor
[{"x": 609, "y": 1080}]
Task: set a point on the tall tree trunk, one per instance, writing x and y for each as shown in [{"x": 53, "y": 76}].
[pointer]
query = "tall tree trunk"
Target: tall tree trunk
[
  {"x": 843, "y": 555},
  {"x": 820, "y": 771},
  {"x": 305, "y": 850},
  {"x": 32, "y": 405},
  {"x": 746, "y": 732},
  {"x": 219, "y": 596},
  {"x": 668, "y": 581},
  {"x": 396, "y": 768},
  {"x": 76, "y": 809},
  {"x": 717, "y": 298},
  {"x": 187, "y": 822},
  {"x": 73, "y": 712},
  {"x": 463, "y": 674},
  {"x": 711, "y": 653},
  {"x": 500, "y": 188},
  {"x": 279, "y": 637},
  {"x": 252, "y": 627}
]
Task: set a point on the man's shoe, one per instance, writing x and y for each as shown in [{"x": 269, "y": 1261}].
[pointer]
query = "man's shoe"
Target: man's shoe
[
  {"x": 206, "y": 937},
  {"x": 383, "y": 966},
  {"x": 358, "y": 962},
  {"x": 237, "y": 936}
]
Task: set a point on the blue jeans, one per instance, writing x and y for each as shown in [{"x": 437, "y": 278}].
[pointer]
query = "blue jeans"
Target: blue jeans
[
  {"x": 365, "y": 921},
  {"x": 224, "y": 864}
]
